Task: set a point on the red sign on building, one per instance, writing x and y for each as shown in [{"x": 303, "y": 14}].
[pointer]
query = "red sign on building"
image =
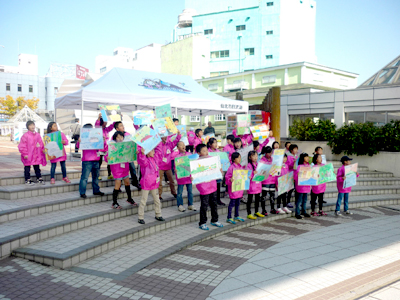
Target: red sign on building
[{"x": 81, "y": 72}]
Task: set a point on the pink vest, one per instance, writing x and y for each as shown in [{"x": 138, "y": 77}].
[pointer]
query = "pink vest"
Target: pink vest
[
  {"x": 150, "y": 172},
  {"x": 270, "y": 179},
  {"x": 318, "y": 189},
  {"x": 300, "y": 188},
  {"x": 120, "y": 170},
  {"x": 166, "y": 153},
  {"x": 185, "y": 180},
  {"x": 228, "y": 176},
  {"x": 255, "y": 187},
  {"x": 196, "y": 141},
  {"x": 31, "y": 145},
  {"x": 284, "y": 171},
  {"x": 339, "y": 181},
  {"x": 191, "y": 136}
]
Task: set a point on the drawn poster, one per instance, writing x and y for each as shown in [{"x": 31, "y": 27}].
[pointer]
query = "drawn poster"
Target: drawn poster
[
  {"x": 147, "y": 138},
  {"x": 182, "y": 165},
  {"x": 121, "y": 152},
  {"x": 308, "y": 175},
  {"x": 351, "y": 175},
  {"x": 244, "y": 152},
  {"x": 160, "y": 126},
  {"x": 241, "y": 180},
  {"x": 206, "y": 137},
  {"x": 285, "y": 183},
  {"x": 326, "y": 174},
  {"x": 277, "y": 162},
  {"x": 224, "y": 159},
  {"x": 53, "y": 145},
  {"x": 110, "y": 113},
  {"x": 91, "y": 138},
  {"x": 242, "y": 130},
  {"x": 262, "y": 172},
  {"x": 143, "y": 117},
  {"x": 182, "y": 130},
  {"x": 205, "y": 169},
  {"x": 259, "y": 132},
  {"x": 243, "y": 120},
  {"x": 163, "y": 111},
  {"x": 171, "y": 127}
]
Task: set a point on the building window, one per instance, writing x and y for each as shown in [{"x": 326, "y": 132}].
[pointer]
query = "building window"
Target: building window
[
  {"x": 19, "y": 88},
  {"x": 116, "y": 52},
  {"x": 218, "y": 118},
  {"x": 31, "y": 89},
  {"x": 269, "y": 56},
  {"x": 240, "y": 27},
  {"x": 102, "y": 70},
  {"x": 55, "y": 91},
  {"x": 249, "y": 51},
  {"x": 218, "y": 54},
  {"x": 215, "y": 74},
  {"x": 355, "y": 117},
  {"x": 269, "y": 79},
  {"x": 393, "y": 115},
  {"x": 270, "y": 3},
  {"x": 8, "y": 87},
  {"x": 208, "y": 31},
  {"x": 270, "y": 32},
  {"x": 378, "y": 118},
  {"x": 213, "y": 87},
  {"x": 194, "y": 119}
]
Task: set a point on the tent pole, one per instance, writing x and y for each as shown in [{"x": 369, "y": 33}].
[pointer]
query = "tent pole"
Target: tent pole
[
  {"x": 201, "y": 125},
  {"x": 81, "y": 121},
  {"x": 176, "y": 114}
]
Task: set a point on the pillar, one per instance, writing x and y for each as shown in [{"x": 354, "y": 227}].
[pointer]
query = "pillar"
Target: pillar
[{"x": 276, "y": 113}]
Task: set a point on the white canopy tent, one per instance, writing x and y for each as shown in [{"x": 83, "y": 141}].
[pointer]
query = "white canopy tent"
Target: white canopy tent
[{"x": 137, "y": 90}]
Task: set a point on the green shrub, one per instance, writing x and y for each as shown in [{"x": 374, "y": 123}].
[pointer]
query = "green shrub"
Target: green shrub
[{"x": 309, "y": 131}]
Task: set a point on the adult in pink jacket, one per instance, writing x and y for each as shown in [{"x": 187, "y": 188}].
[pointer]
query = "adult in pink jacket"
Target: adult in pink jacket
[
  {"x": 31, "y": 148},
  {"x": 302, "y": 190},
  {"x": 149, "y": 167},
  {"x": 343, "y": 192},
  {"x": 165, "y": 148}
]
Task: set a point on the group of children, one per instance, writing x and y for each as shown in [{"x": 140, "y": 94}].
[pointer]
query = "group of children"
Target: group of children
[{"x": 159, "y": 161}]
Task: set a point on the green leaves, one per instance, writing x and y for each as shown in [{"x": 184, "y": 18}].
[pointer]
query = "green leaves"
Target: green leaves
[{"x": 309, "y": 131}]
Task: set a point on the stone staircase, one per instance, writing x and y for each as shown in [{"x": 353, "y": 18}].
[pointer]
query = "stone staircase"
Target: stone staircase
[{"x": 52, "y": 225}]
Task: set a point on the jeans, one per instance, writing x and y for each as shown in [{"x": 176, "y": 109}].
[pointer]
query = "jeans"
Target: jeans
[
  {"x": 63, "y": 169},
  {"x": 339, "y": 201},
  {"x": 27, "y": 172},
  {"x": 210, "y": 199},
  {"x": 301, "y": 200},
  {"x": 87, "y": 167},
  {"x": 179, "y": 199},
  {"x": 233, "y": 203}
]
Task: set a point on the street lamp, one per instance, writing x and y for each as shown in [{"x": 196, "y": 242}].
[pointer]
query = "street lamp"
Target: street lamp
[{"x": 239, "y": 38}]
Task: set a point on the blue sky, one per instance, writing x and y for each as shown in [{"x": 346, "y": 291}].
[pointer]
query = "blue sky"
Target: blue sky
[{"x": 359, "y": 36}]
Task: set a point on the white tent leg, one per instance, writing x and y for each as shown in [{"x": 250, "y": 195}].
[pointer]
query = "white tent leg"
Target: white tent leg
[
  {"x": 81, "y": 121},
  {"x": 176, "y": 113}
]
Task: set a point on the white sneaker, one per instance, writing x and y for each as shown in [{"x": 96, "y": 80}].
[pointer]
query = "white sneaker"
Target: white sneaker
[
  {"x": 286, "y": 210},
  {"x": 181, "y": 208},
  {"x": 348, "y": 212},
  {"x": 280, "y": 211},
  {"x": 337, "y": 213},
  {"x": 191, "y": 207}
]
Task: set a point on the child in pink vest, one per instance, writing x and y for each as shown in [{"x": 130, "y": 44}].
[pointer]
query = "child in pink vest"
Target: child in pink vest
[
  {"x": 90, "y": 164},
  {"x": 229, "y": 146},
  {"x": 191, "y": 136},
  {"x": 255, "y": 187},
  {"x": 282, "y": 197},
  {"x": 197, "y": 139},
  {"x": 268, "y": 185},
  {"x": 317, "y": 191},
  {"x": 182, "y": 182},
  {"x": 120, "y": 173},
  {"x": 52, "y": 127},
  {"x": 291, "y": 160},
  {"x": 343, "y": 192},
  {"x": 212, "y": 146},
  {"x": 150, "y": 181},
  {"x": 32, "y": 152},
  {"x": 207, "y": 195},
  {"x": 302, "y": 190},
  {"x": 234, "y": 196}
]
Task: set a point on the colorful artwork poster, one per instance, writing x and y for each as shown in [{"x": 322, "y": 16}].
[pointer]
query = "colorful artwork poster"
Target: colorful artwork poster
[
  {"x": 205, "y": 169},
  {"x": 241, "y": 180},
  {"x": 285, "y": 183},
  {"x": 163, "y": 111},
  {"x": 242, "y": 130},
  {"x": 351, "y": 175},
  {"x": 143, "y": 117},
  {"x": 224, "y": 159},
  {"x": 326, "y": 174},
  {"x": 243, "y": 120},
  {"x": 262, "y": 172},
  {"x": 308, "y": 175},
  {"x": 206, "y": 137},
  {"x": 244, "y": 153},
  {"x": 160, "y": 126},
  {"x": 259, "y": 132},
  {"x": 121, "y": 152},
  {"x": 147, "y": 138},
  {"x": 184, "y": 137},
  {"x": 91, "y": 139},
  {"x": 182, "y": 165},
  {"x": 53, "y": 145},
  {"x": 277, "y": 162},
  {"x": 110, "y": 113},
  {"x": 171, "y": 127}
]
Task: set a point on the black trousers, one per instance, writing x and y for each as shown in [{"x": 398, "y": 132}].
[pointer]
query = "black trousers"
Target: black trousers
[
  {"x": 108, "y": 166},
  {"x": 190, "y": 148},
  {"x": 256, "y": 203},
  {"x": 281, "y": 199},
  {"x": 269, "y": 189},
  {"x": 314, "y": 200},
  {"x": 27, "y": 172},
  {"x": 206, "y": 200},
  {"x": 289, "y": 195}
]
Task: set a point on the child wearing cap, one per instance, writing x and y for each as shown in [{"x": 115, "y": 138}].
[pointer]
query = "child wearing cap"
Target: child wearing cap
[{"x": 343, "y": 192}]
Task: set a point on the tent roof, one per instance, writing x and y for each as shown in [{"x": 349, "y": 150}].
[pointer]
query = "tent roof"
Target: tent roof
[{"x": 134, "y": 90}]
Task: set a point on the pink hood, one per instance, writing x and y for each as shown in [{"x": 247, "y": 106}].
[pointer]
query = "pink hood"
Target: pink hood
[{"x": 31, "y": 145}]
